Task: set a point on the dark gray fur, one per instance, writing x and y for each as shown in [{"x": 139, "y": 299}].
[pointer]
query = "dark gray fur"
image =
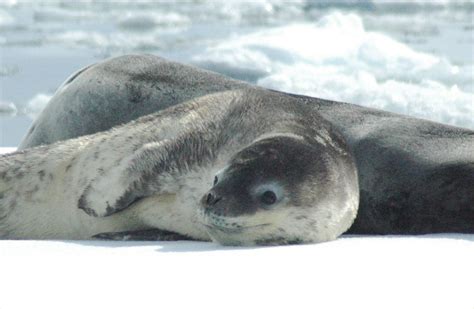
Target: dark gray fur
[
  {"x": 284, "y": 160},
  {"x": 415, "y": 176},
  {"x": 117, "y": 91}
]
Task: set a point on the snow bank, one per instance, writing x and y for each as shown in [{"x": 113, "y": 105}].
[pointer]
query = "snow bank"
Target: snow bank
[
  {"x": 36, "y": 104},
  {"x": 307, "y": 47},
  {"x": 8, "y": 108},
  {"x": 33, "y": 107},
  {"x": 336, "y": 58},
  {"x": 151, "y": 20},
  {"x": 5, "y": 18},
  {"x": 6, "y": 149}
]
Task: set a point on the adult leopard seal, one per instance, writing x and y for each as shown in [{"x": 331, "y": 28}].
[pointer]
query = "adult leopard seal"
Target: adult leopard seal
[
  {"x": 415, "y": 176},
  {"x": 242, "y": 167}
]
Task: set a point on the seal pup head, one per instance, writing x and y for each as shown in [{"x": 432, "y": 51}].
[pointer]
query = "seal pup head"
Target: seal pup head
[{"x": 281, "y": 190}]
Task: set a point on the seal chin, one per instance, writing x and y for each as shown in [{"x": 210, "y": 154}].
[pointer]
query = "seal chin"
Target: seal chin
[
  {"x": 240, "y": 236},
  {"x": 232, "y": 231},
  {"x": 255, "y": 235}
]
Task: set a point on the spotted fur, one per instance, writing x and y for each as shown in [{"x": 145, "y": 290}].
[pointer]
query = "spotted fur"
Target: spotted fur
[{"x": 153, "y": 172}]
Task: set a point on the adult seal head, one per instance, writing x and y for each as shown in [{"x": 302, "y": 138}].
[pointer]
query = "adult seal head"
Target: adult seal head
[{"x": 241, "y": 167}]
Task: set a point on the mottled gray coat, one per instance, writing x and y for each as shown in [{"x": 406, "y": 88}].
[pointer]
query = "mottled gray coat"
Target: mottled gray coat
[
  {"x": 161, "y": 170},
  {"x": 416, "y": 176}
]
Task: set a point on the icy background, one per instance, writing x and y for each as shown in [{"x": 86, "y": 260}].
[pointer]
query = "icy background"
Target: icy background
[{"x": 412, "y": 57}]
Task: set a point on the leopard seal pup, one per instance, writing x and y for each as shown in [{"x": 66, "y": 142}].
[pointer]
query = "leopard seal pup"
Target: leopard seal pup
[
  {"x": 241, "y": 167},
  {"x": 415, "y": 176}
]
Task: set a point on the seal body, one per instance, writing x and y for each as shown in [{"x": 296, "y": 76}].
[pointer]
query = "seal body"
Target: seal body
[
  {"x": 116, "y": 91},
  {"x": 415, "y": 176},
  {"x": 222, "y": 167}
]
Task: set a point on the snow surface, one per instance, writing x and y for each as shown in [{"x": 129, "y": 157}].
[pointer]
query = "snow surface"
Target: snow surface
[{"x": 432, "y": 271}]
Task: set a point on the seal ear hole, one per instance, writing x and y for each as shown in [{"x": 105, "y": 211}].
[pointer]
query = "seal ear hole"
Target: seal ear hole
[
  {"x": 268, "y": 197},
  {"x": 216, "y": 179}
]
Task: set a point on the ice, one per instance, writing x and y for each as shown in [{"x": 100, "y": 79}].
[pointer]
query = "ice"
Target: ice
[
  {"x": 412, "y": 58},
  {"x": 112, "y": 42},
  {"x": 36, "y": 105},
  {"x": 8, "y": 108},
  {"x": 5, "y": 18},
  {"x": 352, "y": 272},
  {"x": 425, "y": 2},
  {"x": 7, "y": 149},
  {"x": 81, "y": 38},
  {"x": 59, "y": 15},
  {"x": 149, "y": 21},
  {"x": 336, "y": 58}
]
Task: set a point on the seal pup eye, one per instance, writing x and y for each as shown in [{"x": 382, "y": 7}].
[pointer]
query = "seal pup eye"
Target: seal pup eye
[
  {"x": 268, "y": 197},
  {"x": 215, "y": 180}
]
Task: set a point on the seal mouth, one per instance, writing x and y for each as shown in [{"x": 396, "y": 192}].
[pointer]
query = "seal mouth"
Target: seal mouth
[{"x": 233, "y": 230}]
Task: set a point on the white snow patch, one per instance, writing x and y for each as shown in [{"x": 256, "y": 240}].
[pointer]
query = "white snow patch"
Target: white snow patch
[
  {"x": 8, "y": 108},
  {"x": 59, "y": 15},
  {"x": 36, "y": 105},
  {"x": 151, "y": 20},
  {"x": 351, "y": 272},
  {"x": 113, "y": 41},
  {"x": 80, "y": 38},
  {"x": 6, "y": 149},
  {"x": 422, "y": 2},
  {"x": 8, "y": 3},
  {"x": 336, "y": 58}
]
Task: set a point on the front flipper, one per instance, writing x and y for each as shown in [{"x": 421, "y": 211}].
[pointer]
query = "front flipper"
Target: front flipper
[
  {"x": 123, "y": 184},
  {"x": 103, "y": 208},
  {"x": 150, "y": 234}
]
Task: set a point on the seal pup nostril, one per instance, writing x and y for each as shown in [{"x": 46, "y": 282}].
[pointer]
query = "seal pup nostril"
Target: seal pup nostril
[{"x": 212, "y": 199}]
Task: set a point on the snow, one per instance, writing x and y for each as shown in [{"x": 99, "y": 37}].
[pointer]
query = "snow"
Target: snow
[
  {"x": 336, "y": 58},
  {"x": 6, "y": 149},
  {"x": 432, "y": 271},
  {"x": 8, "y": 108},
  {"x": 352, "y": 272},
  {"x": 36, "y": 104}
]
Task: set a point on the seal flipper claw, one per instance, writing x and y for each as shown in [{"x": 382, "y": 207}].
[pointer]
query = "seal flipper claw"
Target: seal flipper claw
[
  {"x": 128, "y": 198},
  {"x": 119, "y": 186},
  {"x": 149, "y": 234}
]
